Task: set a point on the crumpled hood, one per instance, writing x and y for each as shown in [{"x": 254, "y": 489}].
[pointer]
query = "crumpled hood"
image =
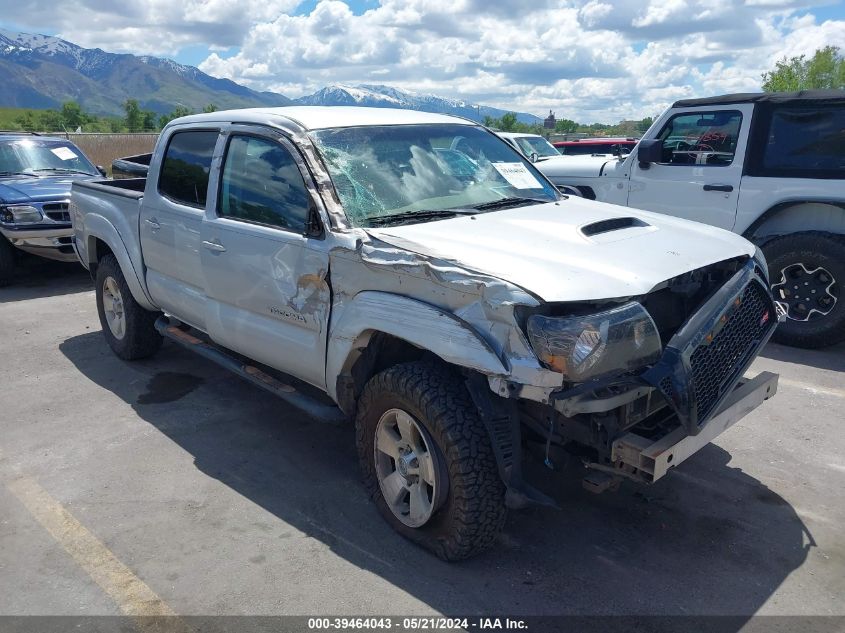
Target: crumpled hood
[
  {"x": 542, "y": 248},
  {"x": 37, "y": 189},
  {"x": 574, "y": 166}
]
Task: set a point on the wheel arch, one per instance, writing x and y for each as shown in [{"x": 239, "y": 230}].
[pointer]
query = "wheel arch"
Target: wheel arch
[
  {"x": 823, "y": 215},
  {"x": 102, "y": 239},
  {"x": 377, "y": 330}
]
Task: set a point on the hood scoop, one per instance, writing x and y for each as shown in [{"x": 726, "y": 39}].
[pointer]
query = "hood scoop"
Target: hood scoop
[{"x": 612, "y": 224}]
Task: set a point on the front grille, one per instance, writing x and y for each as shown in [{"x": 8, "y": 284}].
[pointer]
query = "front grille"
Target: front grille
[
  {"x": 717, "y": 361},
  {"x": 57, "y": 211},
  {"x": 667, "y": 388}
]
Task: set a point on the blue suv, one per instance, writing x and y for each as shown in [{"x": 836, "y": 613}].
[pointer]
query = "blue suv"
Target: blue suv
[{"x": 35, "y": 177}]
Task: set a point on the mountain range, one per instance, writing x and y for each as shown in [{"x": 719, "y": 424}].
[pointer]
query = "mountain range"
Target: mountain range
[{"x": 42, "y": 71}]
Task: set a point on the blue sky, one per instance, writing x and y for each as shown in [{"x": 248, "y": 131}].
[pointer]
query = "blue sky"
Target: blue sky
[{"x": 591, "y": 60}]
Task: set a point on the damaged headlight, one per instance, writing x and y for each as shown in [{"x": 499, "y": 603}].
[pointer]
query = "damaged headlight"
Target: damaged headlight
[
  {"x": 596, "y": 345},
  {"x": 22, "y": 214}
]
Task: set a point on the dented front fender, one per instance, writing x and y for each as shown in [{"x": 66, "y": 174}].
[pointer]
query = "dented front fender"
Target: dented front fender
[{"x": 423, "y": 325}]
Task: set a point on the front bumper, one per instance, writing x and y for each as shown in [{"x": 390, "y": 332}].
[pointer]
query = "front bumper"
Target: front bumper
[
  {"x": 52, "y": 241},
  {"x": 648, "y": 460},
  {"x": 712, "y": 350}
]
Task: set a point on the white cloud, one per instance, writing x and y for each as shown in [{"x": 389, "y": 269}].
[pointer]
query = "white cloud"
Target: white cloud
[
  {"x": 659, "y": 11},
  {"x": 155, "y": 27},
  {"x": 586, "y": 59}
]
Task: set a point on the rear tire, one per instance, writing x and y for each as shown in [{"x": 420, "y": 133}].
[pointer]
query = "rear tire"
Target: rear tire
[
  {"x": 129, "y": 328},
  {"x": 807, "y": 271},
  {"x": 7, "y": 261},
  {"x": 464, "y": 509}
]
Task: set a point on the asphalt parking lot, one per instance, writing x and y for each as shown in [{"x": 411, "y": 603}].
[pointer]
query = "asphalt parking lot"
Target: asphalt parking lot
[{"x": 171, "y": 476}]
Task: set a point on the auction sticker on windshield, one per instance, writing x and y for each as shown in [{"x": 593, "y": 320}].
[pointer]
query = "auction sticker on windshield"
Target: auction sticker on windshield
[
  {"x": 517, "y": 175},
  {"x": 65, "y": 154}
]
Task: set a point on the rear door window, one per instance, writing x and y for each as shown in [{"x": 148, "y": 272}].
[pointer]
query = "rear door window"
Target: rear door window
[
  {"x": 806, "y": 141},
  {"x": 186, "y": 166}
]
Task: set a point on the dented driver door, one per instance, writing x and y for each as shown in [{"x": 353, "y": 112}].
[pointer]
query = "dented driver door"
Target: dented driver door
[{"x": 265, "y": 279}]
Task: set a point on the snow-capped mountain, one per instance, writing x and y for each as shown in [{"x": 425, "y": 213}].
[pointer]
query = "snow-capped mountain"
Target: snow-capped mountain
[
  {"x": 42, "y": 71},
  {"x": 378, "y": 96}
]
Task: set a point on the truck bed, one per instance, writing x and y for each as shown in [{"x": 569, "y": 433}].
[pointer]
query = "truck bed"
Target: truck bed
[
  {"x": 102, "y": 204},
  {"x": 131, "y": 166},
  {"x": 128, "y": 187}
]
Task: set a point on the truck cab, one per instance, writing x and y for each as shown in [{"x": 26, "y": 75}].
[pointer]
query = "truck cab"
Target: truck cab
[
  {"x": 36, "y": 173},
  {"x": 769, "y": 167}
]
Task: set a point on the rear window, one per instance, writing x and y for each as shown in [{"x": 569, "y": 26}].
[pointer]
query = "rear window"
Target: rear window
[
  {"x": 186, "y": 165},
  {"x": 806, "y": 142}
]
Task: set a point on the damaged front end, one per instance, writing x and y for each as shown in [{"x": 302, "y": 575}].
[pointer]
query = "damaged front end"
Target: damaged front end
[{"x": 632, "y": 407}]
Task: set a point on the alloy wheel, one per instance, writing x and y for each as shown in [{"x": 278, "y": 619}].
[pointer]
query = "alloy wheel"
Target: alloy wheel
[
  {"x": 113, "y": 308},
  {"x": 407, "y": 468}
]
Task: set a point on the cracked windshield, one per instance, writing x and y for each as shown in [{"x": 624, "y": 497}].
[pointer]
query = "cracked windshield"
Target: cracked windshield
[{"x": 412, "y": 173}]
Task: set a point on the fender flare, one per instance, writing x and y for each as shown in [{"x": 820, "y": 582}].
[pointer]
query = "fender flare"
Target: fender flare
[
  {"x": 99, "y": 228},
  {"x": 420, "y": 324},
  {"x": 783, "y": 207}
]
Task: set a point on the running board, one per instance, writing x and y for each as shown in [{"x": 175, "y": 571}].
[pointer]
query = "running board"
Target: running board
[{"x": 288, "y": 393}]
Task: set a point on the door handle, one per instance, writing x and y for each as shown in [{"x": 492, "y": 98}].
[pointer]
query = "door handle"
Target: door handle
[
  {"x": 215, "y": 247},
  {"x": 718, "y": 187},
  {"x": 154, "y": 225}
]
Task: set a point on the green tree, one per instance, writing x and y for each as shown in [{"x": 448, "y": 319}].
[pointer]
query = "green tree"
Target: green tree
[
  {"x": 73, "y": 116},
  {"x": 134, "y": 116},
  {"x": 179, "y": 111},
  {"x": 27, "y": 121},
  {"x": 644, "y": 124},
  {"x": 565, "y": 125},
  {"x": 210, "y": 108},
  {"x": 148, "y": 121},
  {"x": 825, "y": 69},
  {"x": 508, "y": 122},
  {"x": 50, "y": 121}
]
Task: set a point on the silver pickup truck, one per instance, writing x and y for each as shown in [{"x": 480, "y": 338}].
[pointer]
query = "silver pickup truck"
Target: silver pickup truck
[{"x": 441, "y": 292}]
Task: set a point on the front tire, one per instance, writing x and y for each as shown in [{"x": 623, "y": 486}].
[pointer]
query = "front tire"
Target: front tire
[
  {"x": 129, "y": 328},
  {"x": 806, "y": 271},
  {"x": 7, "y": 261},
  {"x": 427, "y": 460}
]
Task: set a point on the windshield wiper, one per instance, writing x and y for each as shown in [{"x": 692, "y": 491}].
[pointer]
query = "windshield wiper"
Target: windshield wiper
[
  {"x": 507, "y": 202},
  {"x": 413, "y": 216},
  {"x": 16, "y": 173},
  {"x": 64, "y": 170}
]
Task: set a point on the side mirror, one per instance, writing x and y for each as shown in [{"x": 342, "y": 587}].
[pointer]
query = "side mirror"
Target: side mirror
[
  {"x": 534, "y": 157},
  {"x": 649, "y": 151},
  {"x": 102, "y": 171}
]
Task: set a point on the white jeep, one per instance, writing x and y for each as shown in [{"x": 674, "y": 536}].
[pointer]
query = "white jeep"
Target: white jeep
[{"x": 770, "y": 167}]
